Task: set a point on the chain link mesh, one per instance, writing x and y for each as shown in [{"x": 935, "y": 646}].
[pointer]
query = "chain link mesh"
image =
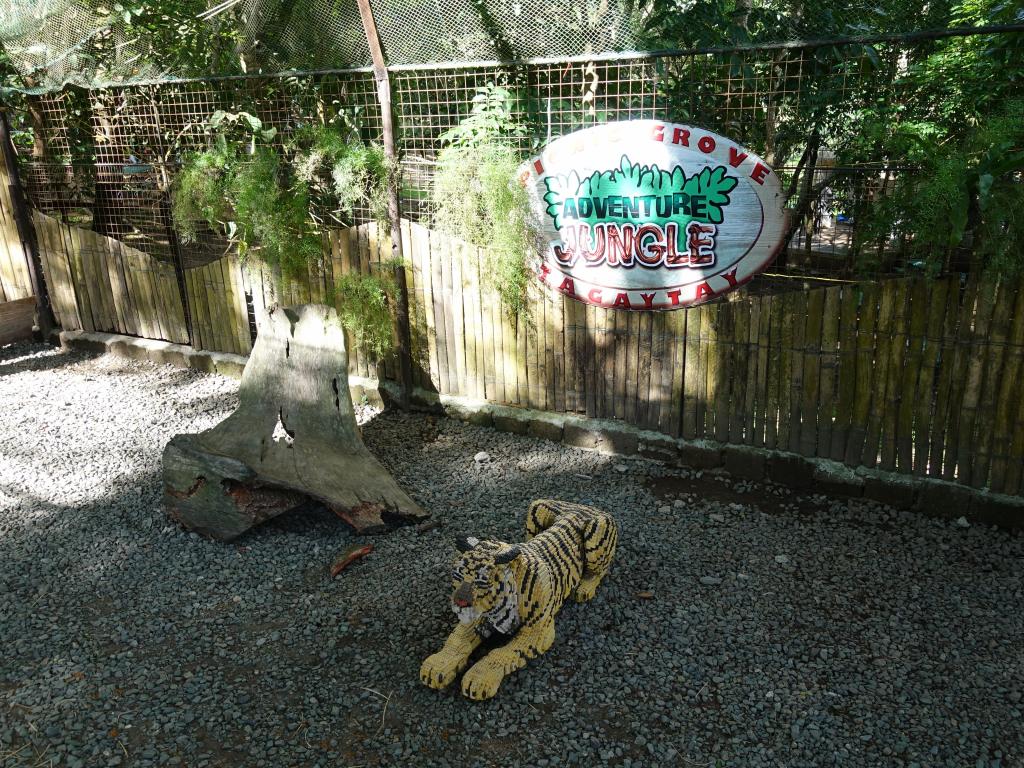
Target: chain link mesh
[
  {"x": 278, "y": 35},
  {"x": 55, "y": 42},
  {"x": 429, "y": 31},
  {"x": 52, "y": 43},
  {"x": 111, "y": 154},
  {"x": 317, "y": 34}
]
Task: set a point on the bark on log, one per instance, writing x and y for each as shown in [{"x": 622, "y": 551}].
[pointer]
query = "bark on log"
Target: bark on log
[{"x": 293, "y": 437}]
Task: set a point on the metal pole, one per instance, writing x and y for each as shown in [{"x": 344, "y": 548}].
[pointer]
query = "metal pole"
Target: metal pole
[
  {"x": 44, "y": 313},
  {"x": 380, "y": 73}
]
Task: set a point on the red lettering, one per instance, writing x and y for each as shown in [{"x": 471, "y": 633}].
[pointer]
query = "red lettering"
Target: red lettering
[
  {"x": 731, "y": 277},
  {"x": 594, "y": 255},
  {"x": 674, "y": 297},
  {"x": 545, "y": 270},
  {"x": 760, "y": 172},
  {"x": 736, "y": 157},
  {"x": 538, "y": 166},
  {"x": 706, "y": 145},
  {"x": 595, "y": 295},
  {"x": 566, "y": 256},
  {"x": 681, "y": 136},
  {"x": 648, "y": 255},
  {"x": 704, "y": 290},
  {"x": 622, "y": 300},
  {"x": 700, "y": 248},
  {"x": 568, "y": 287},
  {"x": 619, "y": 244},
  {"x": 658, "y": 133},
  {"x": 567, "y": 253},
  {"x": 648, "y": 299},
  {"x": 672, "y": 257}
]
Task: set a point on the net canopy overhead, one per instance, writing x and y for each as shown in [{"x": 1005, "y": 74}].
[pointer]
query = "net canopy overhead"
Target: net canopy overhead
[
  {"x": 91, "y": 43},
  {"x": 53, "y": 42}
]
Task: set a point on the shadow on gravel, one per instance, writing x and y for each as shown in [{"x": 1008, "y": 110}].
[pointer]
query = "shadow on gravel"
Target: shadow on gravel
[
  {"x": 741, "y": 625},
  {"x": 19, "y": 358}
]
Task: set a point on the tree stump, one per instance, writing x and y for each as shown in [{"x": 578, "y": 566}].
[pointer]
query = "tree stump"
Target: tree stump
[{"x": 293, "y": 437}]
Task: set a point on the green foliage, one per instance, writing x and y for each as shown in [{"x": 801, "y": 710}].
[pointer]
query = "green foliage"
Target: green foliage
[
  {"x": 960, "y": 127},
  {"x": 227, "y": 125},
  {"x": 246, "y": 197},
  {"x": 175, "y": 38},
  {"x": 89, "y": 42},
  {"x": 933, "y": 112},
  {"x": 270, "y": 217},
  {"x": 476, "y": 196},
  {"x": 364, "y": 309},
  {"x": 707, "y": 23},
  {"x": 634, "y": 180},
  {"x": 491, "y": 117},
  {"x": 967, "y": 193},
  {"x": 264, "y": 198},
  {"x": 353, "y": 174},
  {"x": 199, "y": 192}
]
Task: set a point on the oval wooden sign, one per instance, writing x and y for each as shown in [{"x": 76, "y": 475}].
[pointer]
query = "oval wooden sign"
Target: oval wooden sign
[{"x": 646, "y": 214}]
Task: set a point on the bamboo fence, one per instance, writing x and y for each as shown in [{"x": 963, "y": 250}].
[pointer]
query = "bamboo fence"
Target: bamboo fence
[
  {"x": 911, "y": 375},
  {"x": 14, "y": 277}
]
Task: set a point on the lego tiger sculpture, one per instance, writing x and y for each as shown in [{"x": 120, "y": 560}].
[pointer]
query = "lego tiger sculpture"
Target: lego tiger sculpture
[{"x": 516, "y": 590}]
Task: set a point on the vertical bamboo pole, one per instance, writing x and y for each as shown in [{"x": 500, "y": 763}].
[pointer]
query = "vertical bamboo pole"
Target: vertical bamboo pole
[
  {"x": 23, "y": 218},
  {"x": 380, "y": 74}
]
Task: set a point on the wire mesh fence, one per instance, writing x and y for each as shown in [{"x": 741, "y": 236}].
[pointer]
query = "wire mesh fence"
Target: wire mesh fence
[
  {"x": 93, "y": 43},
  {"x": 107, "y": 157},
  {"x": 912, "y": 375}
]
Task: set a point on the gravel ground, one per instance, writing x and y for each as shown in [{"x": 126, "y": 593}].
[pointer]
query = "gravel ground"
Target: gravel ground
[{"x": 742, "y": 624}]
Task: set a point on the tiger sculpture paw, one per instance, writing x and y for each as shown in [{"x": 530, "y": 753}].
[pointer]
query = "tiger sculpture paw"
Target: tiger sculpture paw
[
  {"x": 482, "y": 680},
  {"x": 585, "y": 592},
  {"x": 440, "y": 670},
  {"x": 516, "y": 590}
]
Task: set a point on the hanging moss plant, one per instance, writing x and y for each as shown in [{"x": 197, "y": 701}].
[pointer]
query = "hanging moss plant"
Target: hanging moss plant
[
  {"x": 343, "y": 171},
  {"x": 364, "y": 308},
  {"x": 476, "y": 196},
  {"x": 274, "y": 202},
  {"x": 199, "y": 192}
]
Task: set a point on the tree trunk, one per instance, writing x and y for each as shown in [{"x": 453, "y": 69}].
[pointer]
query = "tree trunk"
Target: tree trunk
[{"x": 293, "y": 437}]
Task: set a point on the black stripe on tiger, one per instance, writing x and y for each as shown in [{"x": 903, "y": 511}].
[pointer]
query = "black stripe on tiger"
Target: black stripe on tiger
[{"x": 569, "y": 550}]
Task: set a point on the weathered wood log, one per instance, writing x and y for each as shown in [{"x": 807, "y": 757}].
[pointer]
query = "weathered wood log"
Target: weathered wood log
[{"x": 293, "y": 437}]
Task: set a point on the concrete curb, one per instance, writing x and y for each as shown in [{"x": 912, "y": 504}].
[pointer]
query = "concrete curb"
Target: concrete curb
[
  {"x": 936, "y": 498},
  {"x": 184, "y": 356},
  {"x": 163, "y": 352},
  {"x": 931, "y": 497}
]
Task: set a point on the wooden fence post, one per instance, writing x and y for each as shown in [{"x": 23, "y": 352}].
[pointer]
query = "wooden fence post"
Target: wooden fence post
[
  {"x": 28, "y": 235},
  {"x": 164, "y": 206},
  {"x": 380, "y": 73}
]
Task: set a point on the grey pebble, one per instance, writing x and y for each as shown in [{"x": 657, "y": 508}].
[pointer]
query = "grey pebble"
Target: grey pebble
[{"x": 197, "y": 653}]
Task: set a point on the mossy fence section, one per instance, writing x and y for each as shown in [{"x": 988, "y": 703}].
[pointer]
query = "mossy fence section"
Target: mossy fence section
[
  {"x": 15, "y": 282},
  {"x": 17, "y": 300},
  {"x": 917, "y": 376}
]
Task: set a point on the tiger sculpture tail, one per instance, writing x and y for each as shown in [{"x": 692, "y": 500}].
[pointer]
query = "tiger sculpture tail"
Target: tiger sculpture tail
[{"x": 517, "y": 591}]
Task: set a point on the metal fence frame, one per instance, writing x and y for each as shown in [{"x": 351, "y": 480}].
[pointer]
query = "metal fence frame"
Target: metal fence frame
[
  {"x": 730, "y": 90},
  {"x": 940, "y": 360}
]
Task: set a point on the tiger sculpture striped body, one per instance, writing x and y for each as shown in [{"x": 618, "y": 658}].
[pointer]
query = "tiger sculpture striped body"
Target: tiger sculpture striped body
[{"x": 517, "y": 591}]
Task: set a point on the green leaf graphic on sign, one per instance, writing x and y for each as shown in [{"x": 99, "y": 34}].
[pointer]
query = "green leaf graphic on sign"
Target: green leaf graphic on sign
[{"x": 639, "y": 194}]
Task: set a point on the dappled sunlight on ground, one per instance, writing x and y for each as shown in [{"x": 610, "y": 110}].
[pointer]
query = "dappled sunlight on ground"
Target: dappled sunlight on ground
[{"x": 742, "y": 624}]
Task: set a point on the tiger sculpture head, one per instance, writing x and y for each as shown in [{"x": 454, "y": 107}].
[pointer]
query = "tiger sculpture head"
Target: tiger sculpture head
[
  {"x": 483, "y": 584},
  {"x": 517, "y": 590}
]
